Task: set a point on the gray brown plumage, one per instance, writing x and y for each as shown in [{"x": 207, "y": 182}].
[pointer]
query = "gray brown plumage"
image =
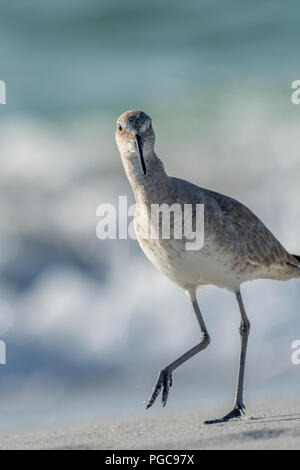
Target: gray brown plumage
[{"x": 237, "y": 248}]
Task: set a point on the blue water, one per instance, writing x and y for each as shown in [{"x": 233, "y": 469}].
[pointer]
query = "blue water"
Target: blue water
[{"x": 68, "y": 57}]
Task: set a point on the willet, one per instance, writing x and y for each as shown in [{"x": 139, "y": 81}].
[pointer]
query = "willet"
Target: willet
[{"x": 237, "y": 248}]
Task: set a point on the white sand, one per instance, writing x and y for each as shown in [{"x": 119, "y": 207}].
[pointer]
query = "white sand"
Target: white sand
[{"x": 276, "y": 426}]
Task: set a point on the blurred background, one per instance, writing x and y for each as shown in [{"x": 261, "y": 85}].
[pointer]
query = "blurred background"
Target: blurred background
[{"x": 89, "y": 323}]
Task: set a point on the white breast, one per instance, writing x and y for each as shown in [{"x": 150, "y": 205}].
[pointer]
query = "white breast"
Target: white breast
[{"x": 189, "y": 268}]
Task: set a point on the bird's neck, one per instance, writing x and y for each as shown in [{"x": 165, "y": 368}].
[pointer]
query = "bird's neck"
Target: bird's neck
[{"x": 147, "y": 187}]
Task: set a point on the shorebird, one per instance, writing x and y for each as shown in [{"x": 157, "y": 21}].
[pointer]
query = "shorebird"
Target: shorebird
[{"x": 237, "y": 247}]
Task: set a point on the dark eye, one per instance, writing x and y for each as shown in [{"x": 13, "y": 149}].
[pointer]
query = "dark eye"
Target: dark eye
[
  {"x": 150, "y": 127},
  {"x": 120, "y": 128}
]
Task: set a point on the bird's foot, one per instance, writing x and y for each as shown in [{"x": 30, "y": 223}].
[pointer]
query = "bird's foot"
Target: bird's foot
[
  {"x": 238, "y": 412},
  {"x": 164, "y": 382}
]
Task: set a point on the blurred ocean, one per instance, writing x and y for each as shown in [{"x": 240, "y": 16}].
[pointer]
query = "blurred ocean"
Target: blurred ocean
[{"x": 89, "y": 323}]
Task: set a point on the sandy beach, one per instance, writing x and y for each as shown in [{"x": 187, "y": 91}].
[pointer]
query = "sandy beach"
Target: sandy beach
[{"x": 274, "y": 426}]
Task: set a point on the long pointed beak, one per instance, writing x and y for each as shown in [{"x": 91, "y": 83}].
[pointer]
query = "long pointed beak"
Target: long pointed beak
[{"x": 139, "y": 148}]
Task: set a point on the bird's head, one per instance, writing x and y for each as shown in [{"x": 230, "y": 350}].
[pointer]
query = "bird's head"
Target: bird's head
[{"x": 135, "y": 137}]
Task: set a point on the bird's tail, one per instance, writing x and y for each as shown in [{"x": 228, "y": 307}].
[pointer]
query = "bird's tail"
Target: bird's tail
[{"x": 297, "y": 257}]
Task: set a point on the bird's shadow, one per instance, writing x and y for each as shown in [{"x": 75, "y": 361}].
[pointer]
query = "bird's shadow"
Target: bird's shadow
[{"x": 276, "y": 418}]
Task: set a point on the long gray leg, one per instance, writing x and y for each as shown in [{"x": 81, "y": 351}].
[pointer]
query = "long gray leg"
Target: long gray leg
[
  {"x": 239, "y": 409},
  {"x": 164, "y": 380}
]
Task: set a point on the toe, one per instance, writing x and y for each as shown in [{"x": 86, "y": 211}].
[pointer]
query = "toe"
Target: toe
[
  {"x": 165, "y": 392},
  {"x": 163, "y": 382},
  {"x": 156, "y": 390},
  {"x": 236, "y": 413}
]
